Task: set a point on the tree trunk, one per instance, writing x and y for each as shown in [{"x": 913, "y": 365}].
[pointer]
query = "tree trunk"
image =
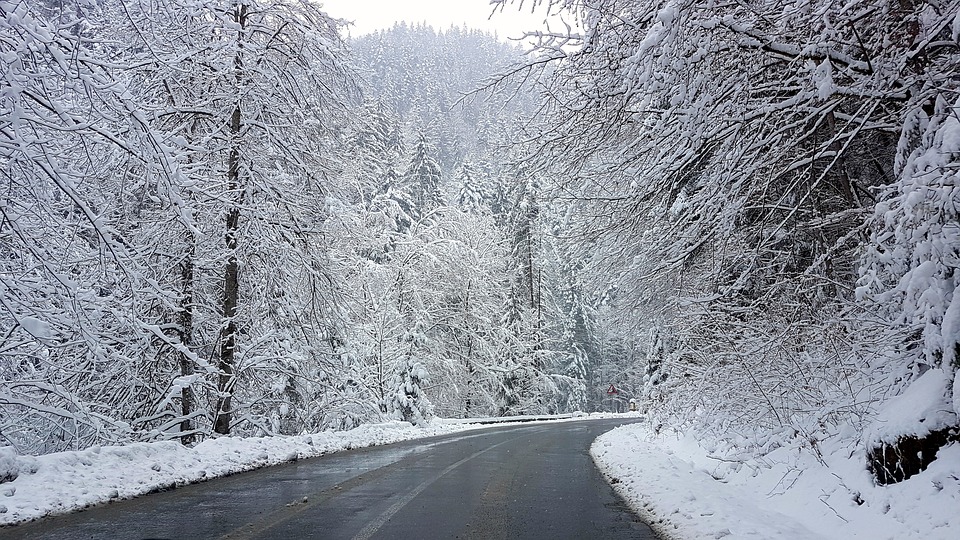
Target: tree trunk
[
  {"x": 231, "y": 293},
  {"x": 231, "y": 281},
  {"x": 381, "y": 382},
  {"x": 468, "y": 402},
  {"x": 187, "y": 397}
]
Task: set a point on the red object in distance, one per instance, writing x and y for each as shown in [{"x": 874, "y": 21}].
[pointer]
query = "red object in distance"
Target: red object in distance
[{"x": 612, "y": 390}]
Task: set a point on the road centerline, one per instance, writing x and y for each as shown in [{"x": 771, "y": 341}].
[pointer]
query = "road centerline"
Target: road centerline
[
  {"x": 377, "y": 523},
  {"x": 291, "y": 510}
]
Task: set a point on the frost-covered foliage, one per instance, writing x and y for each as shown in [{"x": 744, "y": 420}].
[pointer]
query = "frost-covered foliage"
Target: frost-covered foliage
[
  {"x": 911, "y": 267},
  {"x": 154, "y": 150},
  {"x": 75, "y": 294},
  {"x": 733, "y": 172},
  {"x": 408, "y": 400},
  {"x": 445, "y": 263}
]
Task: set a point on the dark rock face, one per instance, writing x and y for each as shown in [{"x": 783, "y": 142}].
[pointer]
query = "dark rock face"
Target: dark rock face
[{"x": 892, "y": 463}]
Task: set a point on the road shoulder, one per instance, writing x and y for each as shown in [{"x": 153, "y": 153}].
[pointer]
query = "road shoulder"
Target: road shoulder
[{"x": 685, "y": 491}]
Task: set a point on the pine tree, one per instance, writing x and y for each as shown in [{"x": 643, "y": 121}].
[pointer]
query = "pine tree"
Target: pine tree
[
  {"x": 409, "y": 400},
  {"x": 471, "y": 197},
  {"x": 422, "y": 178}
]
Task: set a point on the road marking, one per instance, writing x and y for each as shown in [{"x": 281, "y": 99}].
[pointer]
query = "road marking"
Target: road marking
[
  {"x": 382, "y": 519},
  {"x": 290, "y": 511}
]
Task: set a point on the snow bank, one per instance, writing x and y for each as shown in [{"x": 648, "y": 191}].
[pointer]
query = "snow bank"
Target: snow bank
[
  {"x": 924, "y": 407},
  {"x": 33, "y": 487},
  {"x": 685, "y": 491}
]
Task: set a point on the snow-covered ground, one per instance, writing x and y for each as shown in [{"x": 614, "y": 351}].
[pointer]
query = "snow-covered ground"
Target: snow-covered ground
[
  {"x": 687, "y": 491},
  {"x": 32, "y": 487}
]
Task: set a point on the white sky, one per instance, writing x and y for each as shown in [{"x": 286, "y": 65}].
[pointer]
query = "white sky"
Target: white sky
[{"x": 371, "y": 15}]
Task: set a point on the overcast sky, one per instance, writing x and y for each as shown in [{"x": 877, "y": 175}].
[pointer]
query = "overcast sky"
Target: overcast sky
[{"x": 372, "y": 15}]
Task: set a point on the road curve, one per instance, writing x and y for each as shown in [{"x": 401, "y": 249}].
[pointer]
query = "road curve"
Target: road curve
[{"x": 529, "y": 481}]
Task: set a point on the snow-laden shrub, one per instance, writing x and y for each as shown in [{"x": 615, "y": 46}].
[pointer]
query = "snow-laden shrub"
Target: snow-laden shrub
[
  {"x": 409, "y": 402},
  {"x": 910, "y": 274},
  {"x": 9, "y": 468},
  {"x": 12, "y": 465},
  {"x": 911, "y": 268}
]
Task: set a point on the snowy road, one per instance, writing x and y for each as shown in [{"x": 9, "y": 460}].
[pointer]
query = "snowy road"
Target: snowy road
[{"x": 531, "y": 481}]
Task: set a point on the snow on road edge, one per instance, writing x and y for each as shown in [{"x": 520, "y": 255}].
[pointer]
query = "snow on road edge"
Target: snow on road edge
[
  {"x": 674, "y": 484},
  {"x": 68, "y": 481},
  {"x": 32, "y": 487}
]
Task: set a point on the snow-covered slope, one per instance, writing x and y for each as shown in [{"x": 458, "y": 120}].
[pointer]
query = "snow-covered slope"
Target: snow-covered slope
[{"x": 687, "y": 491}]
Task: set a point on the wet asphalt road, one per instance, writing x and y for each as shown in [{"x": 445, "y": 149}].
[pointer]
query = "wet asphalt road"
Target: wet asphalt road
[{"x": 530, "y": 481}]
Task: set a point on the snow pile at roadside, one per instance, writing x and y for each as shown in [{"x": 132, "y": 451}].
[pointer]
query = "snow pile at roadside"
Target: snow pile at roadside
[
  {"x": 33, "y": 487},
  {"x": 685, "y": 491},
  {"x": 924, "y": 407}
]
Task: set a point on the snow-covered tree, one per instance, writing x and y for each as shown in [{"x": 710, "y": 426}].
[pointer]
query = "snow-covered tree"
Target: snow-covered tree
[
  {"x": 265, "y": 129},
  {"x": 408, "y": 398},
  {"x": 722, "y": 162},
  {"x": 422, "y": 179},
  {"x": 78, "y": 298},
  {"x": 910, "y": 276},
  {"x": 471, "y": 196},
  {"x": 196, "y": 145}
]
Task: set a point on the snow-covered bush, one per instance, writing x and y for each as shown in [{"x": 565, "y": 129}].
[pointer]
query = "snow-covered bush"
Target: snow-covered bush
[
  {"x": 910, "y": 274},
  {"x": 911, "y": 269},
  {"x": 723, "y": 164},
  {"x": 409, "y": 401}
]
